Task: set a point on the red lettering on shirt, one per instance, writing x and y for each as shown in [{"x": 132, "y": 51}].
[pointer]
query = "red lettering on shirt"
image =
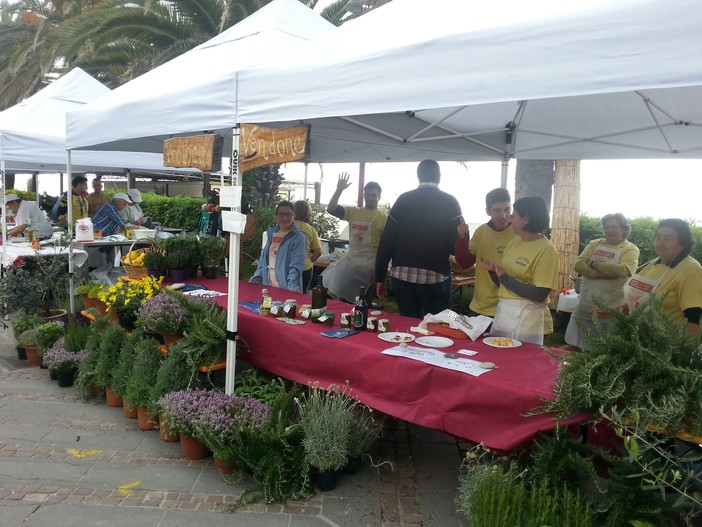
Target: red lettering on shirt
[
  {"x": 641, "y": 286},
  {"x": 604, "y": 252}
]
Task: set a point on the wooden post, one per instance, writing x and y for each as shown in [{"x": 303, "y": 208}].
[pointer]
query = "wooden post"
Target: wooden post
[{"x": 565, "y": 224}]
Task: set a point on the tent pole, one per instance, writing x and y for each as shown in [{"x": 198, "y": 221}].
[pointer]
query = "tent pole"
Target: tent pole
[
  {"x": 503, "y": 175},
  {"x": 69, "y": 214},
  {"x": 304, "y": 191},
  {"x": 361, "y": 182},
  {"x": 5, "y": 241},
  {"x": 233, "y": 279}
]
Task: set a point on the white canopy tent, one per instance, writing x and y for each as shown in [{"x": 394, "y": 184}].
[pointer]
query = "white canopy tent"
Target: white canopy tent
[
  {"x": 405, "y": 82},
  {"x": 584, "y": 80}
]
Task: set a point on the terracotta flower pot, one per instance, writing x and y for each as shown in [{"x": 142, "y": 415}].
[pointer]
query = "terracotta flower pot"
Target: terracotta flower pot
[
  {"x": 165, "y": 433},
  {"x": 171, "y": 338},
  {"x": 192, "y": 448},
  {"x": 111, "y": 397},
  {"x": 101, "y": 307},
  {"x": 146, "y": 420},
  {"x": 129, "y": 411},
  {"x": 224, "y": 467},
  {"x": 32, "y": 355}
]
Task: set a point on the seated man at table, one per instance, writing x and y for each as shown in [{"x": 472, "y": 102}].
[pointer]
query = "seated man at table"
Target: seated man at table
[
  {"x": 28, "y": 215},
  {"x": 488, "y": 241},
  {"x": 109, "y": 221}
]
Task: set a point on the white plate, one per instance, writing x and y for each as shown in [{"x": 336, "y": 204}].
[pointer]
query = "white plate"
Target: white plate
[
  {"x": 490, "y": 341},
  {"x": 396, "y": 337},
  {"x": 435, "y": 342}
]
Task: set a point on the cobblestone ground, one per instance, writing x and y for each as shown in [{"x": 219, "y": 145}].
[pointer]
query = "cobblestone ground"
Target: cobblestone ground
[{"x": 415, "y": 485}]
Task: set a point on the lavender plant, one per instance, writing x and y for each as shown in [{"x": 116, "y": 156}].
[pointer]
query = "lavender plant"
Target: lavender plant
[
  {"x": 60, "y": 360},
  {"x": 163, "y": 314}
]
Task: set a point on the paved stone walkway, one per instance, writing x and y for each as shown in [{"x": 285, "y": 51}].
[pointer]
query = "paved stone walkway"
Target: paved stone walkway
[{"x": 65, "y": 461}]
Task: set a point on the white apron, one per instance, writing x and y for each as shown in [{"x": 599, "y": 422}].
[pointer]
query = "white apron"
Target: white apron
[
  {"x": 609, "y": 292},
  {"x": 519, "y": 319},
  {"x": 345, "y": 277},
  {"x": 638, "y": 289}
]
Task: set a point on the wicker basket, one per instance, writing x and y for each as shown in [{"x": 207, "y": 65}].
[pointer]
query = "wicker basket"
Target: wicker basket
[{"x": 137, "y": 271}]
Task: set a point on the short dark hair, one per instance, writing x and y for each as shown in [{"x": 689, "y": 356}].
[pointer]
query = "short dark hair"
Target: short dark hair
[
  {"x": 621, "y": 220},
  {"x": 534, "y": 208},
  {"x": 682, "y": 229},
  {"x": 285, "y": 203},
  {"x": 302, "y": 210},
  {"x": 497, "y": 195},
  {"x": 428, "y": 171},
  {"x": 371, "y": 185},
  {"x": 77, "y": 180}
]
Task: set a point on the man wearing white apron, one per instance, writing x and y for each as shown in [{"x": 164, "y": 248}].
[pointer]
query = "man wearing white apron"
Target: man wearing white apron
[
  {"x": 345, "y": 277},
  {"x": 605, "y": 265}
]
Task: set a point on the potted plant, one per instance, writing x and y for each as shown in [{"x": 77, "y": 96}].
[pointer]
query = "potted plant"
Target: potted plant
[
  {"x": 177, "y": 257},
  {"x": 47, "y": 335},
  {"x": 108, "y": 354},
  {"x": 64, "y": 364},
  {"x": 28, "y": 340},
  {"x": 142, "y": 378},
  {"x": 181, "y": 411},
  {"x": 212, "y": 248},
  {"x": 123, "y": 371},
  {"x": 127, "y": 296},
  {"x": 194, "y": 253},
  {"x": 325, "y": 417},
  {"x": 36, "y": 285},
  {"x": 364, "y": 430},
  {"x": 19, "y": 326},
  {"x": 155, "y": 261},
  {"x": 222, "y": 419},
  {"x": 164, "y": 314}
]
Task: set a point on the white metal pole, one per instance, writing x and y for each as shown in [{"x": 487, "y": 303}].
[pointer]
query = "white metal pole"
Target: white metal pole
[
  {"x": 304, "y": 192},
  {"x": 69, "y": 215},
  {"x": 233, "y": 279},
  {"x": 503, "y": 175}
]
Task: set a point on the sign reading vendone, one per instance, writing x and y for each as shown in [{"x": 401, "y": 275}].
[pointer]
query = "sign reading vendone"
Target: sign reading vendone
[{"x": 261, "y": 146}]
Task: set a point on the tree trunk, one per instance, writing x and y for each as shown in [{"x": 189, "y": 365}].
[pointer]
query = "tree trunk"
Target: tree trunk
[
  {"x": 565, "y": 223},
  {"x": 534, "y": 178}
]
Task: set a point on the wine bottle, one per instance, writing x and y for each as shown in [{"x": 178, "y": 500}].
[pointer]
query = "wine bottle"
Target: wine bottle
[
  {"x": 360, "y": 311},
  {"x": 319, "y": 295}
]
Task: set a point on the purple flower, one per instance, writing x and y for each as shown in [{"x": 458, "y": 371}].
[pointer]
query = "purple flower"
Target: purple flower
[
  {"x": 194, "y": 411},
  {"x": 59, "y": 359},
  {"x": 163, "y": 314}
]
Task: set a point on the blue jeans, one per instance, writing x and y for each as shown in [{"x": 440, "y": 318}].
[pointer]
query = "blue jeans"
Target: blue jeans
[{"x": 416, "y": 300}]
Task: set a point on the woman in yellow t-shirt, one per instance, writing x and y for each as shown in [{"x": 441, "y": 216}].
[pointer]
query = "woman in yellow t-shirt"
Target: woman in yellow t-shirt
[
  {"x": 674, "y": 276},
  {"x": 527, "y": 275},
  {"x": 303, "y": 215}
]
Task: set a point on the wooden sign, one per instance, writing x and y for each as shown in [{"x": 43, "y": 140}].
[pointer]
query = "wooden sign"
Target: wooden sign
[
  {"x": 264, "y": 146},
  {"x": 203, "y": 152}
]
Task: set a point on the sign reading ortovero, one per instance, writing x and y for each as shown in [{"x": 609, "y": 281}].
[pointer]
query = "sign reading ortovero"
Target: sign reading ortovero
[
  {"x": 203, "y": 152},
  {"x": 264, "y": 146}
]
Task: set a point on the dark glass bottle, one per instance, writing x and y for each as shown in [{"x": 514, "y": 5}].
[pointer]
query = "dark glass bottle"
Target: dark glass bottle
[
  {"x": 319, "y": 295},
  {"x": 360, "y": 311}
]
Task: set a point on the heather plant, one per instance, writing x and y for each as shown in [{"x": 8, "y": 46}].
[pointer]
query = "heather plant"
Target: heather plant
[
  {"x": 28, "y": 338},
  {"x": 60, "y": 360},
  {"x": 182, "y": 410},
  {"x": 222, "y": 420},
  {"x": 163, "y": 314}
]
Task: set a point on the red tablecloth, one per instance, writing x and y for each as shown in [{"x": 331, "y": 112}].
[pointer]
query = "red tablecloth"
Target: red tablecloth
[{"x": 488, "y": 409}]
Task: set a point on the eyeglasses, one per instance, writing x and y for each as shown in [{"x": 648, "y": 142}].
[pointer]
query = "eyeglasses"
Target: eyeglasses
[{"x": 284, "y": 214}]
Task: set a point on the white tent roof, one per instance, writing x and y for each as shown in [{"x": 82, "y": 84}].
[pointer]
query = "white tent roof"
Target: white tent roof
[
  {"x": 196, "y": 91},
  {"x": 33, "y": 132},
  {"x": 585, "y": 80}
]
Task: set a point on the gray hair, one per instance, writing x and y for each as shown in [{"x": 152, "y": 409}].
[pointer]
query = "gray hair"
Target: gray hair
[{"x": 621, "y": 220}]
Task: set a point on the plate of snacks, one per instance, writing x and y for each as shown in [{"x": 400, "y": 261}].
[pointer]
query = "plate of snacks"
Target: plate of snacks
[
  {"x": 396, "y": 336},
  {"x": 502, "y": 342}
]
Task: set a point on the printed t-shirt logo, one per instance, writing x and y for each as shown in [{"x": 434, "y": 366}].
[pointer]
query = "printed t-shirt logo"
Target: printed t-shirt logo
[
  {"x": 641, "y": 286},
  {"x": 522, "y": 261},
  {"x": 604, "y": 253}
]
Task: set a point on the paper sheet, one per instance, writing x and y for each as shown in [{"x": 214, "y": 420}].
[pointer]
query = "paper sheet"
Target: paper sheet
[{"x": 437, "y": 358}]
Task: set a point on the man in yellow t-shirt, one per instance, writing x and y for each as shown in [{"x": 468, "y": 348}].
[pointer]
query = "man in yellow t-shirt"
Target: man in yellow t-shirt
[
  {"x": 488, "y": 241},
  {"x": 345, "y": 277}
]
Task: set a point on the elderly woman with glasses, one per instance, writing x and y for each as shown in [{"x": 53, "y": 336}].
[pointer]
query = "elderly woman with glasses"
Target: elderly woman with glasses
[{"x": 283, "y": 257}]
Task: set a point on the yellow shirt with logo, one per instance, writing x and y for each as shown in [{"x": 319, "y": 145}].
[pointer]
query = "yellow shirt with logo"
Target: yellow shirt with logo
[
  {"x": 535, "y": 263},
  {"x": 680, "y": 286},
  {"x": 377, "y": 219},
  {"x": 312, "y": 241},
  {"x": 486, "y": 242}
]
